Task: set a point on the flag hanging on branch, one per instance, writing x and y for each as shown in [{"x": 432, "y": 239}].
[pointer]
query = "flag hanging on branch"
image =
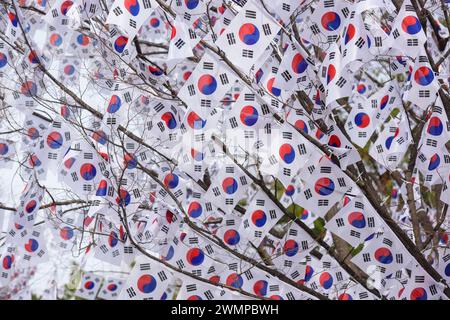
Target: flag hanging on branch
[
  {"x": 382, "y": 256},
  {"x": 407, "y": 33},
  {"x": 356, "y": 222},
  {"x": 147, "y": 281},
  {"x": 324, "y": 185},
  {"x": 228, "y": 186},
  {"x": 288, "y": 152},
  {"x": 111, "y": 289},
  {"x": 89, "y": 286},
  {"x": 261, "y": 215},
  {"x": 296, "y": 70},
  {"x": 207, "y": 85},
  {"x": 192, "y": 289},
  {"x": 421, "y": 286},
  {"x": 392, "y": 142},
  {"x": 248, "y": 35},
  {"x": 130, "y": 15},
  {"x": 423, "y": 86},
  {"x": 433, "y": 160}
]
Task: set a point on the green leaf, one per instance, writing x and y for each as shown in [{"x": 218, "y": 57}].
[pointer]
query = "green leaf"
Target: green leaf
[
  {"x": 357, "y": 250},
  {"x": 319, "y": 225}
]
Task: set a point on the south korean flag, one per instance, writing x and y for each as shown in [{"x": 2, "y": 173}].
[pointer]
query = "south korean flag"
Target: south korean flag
[
  {"x": 302, "y": 121},
  {"x": 294, "y": 247},
  {"x": 190, "y": 10},
  {"x": 207, "y": 85},
  {"x": 16, "y": 232},
  {"x": 190, "y": 253},
  {"x": 163, "y": 122},
  {"x": 421, "y": 286},
  {"x": 220, "y": 25},
  {"x": 248, "y": 113},
  {"x": 154, "y": 230},
  {"x": 361, "y": 122},
  {"x": 407, "y": 32},
  {"x": 57, "y": 40},
  {"x": 113, "y": 203},
  {"x": 228, "y": 186},
  {"x": 147, "y": 281},
  {"x": 326, "y": 22},
  {"x": 286, "y": 153},
  {"x": 339, "y": 144},
  {"x": 259, "y": 283},
  {"x": 116, "y": 111},
  {"x": 442, "y": 263},
  {"x": 228, "y": 232},
  {"x": 80, "y": 43},
  {"x": 335, "y": 77},
  {"x": 112, "y": 246},
  {"x": 436, "y": 132},
  {"x": 296, "y": 70},
  {"x": 118, "y": 43},
  {"x": 392, "y": 142},
  {"x": 34, "y": 248},
  {"x": 89, "y": 8},
  {"x": 34, "y": 126},
  {"x": 129, "y": 157},
  {"x": 365, "y": 87},
  {"x": 192, "y": 289},
  {"x": 355, "y": 291},
  {"x": 89, "y": 286},
  {"x": 326, "y": 276},
  {"x": 261, "y": 215},
  {"x": 53, "y": 145},
  {"x": 445, "y": 195},
  {"x": 248, "y": 35},
  {"x": 33, "y": 58},
  {"x": 154, "y": 71},
  {"x": 354, "y": 42},
  {"x": 356, "y": 222},
  {"x": 423, "y": 86},
  {"x": 69, "y": 72},
  {"x": 199, "y": 208},
  {"x": 289, "y": 292},
  {"x": 130, "y": 15},
  {"x": 8, "y": 263},
  {"x": 13, "y": 31},
  {"x": 65, "y": 233},
  {"x": 111, "y": 289},
  {"x": 182, "y": 41},
  {"x": 378, "y": 38},
  {"x": 195, "y": 156},
  {"x": 174, "y": 186},
  {"x": 284, "y": 8},
  {"x": 62, "y": 14},
  {"x": 83, "y": 170},
  {"x": 266, "y": 88},
  {"x": 7, "y": 151},
  {"x": 289, "y": 192},
  {"x": 382, "y": 256},
  {"x": 7, "y": 58},
  {"x": 434, "y": 166},
  {"x": 200, "y": 129},
  {"x": 416, "y": 186},
  {"x": 385, "y": 100},
  {"x": 25, "y": 93},
  {"x": 324, "y": 185},
  {"x": 30, "y": 202},
  {"x": 433, "y": 160}
]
